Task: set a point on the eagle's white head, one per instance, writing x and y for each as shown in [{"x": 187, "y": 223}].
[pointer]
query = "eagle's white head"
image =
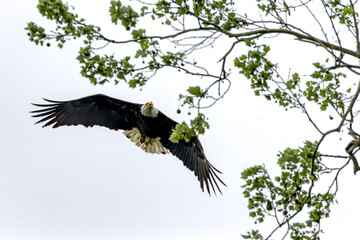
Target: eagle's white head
[{"x": 149, "y": 110}]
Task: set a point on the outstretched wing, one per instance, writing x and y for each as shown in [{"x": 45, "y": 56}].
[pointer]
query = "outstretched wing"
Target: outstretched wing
[
  {"x": 89, "y": 111},
  {"x": 192, "y": 154}
]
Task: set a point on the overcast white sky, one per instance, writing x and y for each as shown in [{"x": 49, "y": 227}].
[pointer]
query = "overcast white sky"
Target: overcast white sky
[{"x": 78, "y": 183}]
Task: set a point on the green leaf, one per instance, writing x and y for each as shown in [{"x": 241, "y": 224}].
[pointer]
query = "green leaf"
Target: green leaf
[{"x": 196, "y": 91}]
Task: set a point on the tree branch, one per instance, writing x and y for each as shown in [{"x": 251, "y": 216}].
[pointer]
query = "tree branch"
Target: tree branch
[{"x": 300, "y": 36}]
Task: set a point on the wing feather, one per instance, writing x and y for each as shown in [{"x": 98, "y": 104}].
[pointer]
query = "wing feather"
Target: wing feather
[
  {"x": 89, "y": 111},
  {"x": 192, "y": 155}
]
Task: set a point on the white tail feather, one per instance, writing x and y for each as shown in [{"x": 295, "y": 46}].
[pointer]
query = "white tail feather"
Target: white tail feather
[{"x": 149, "y": 145}]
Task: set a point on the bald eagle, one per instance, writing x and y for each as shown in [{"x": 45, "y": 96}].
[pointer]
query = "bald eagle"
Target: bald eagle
[{"x": 144, "y": 125}]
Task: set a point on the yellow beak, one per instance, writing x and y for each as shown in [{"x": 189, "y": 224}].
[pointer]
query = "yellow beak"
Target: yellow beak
[{"x": 150, "y": 104}]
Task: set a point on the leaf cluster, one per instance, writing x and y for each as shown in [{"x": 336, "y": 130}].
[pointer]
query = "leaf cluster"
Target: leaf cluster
[
  {"x": 286, "y": 195},
  {"x": 125, "y": 14},
  {"x": 342, "y": 12},
  {"x": 69, "y": 25},
  {"x": 183, "y": 131},
  {"x": 324, "y": 88}
]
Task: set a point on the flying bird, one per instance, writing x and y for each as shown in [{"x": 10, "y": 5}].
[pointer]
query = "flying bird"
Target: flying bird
[{"x": 143, "y": 124}]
